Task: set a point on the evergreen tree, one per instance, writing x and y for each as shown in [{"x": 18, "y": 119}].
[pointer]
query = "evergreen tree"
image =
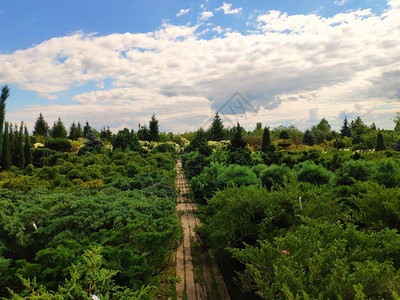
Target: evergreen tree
[
  {"x": 346, "y": 130},
  {"x": 86, "y": 129},
  {"x": 75, "y": 131},
  {"x": 6, "y": 153},
  {"x": 373, "y": 126},
  {"x": 92, "y": 143},
  {"x": 397, "y": 127},
  {"x": 154, "y": 133},
  {"x": 380, "y": 144},
  {"x": 397, "y": 146},
  {"x": 200, "y": 144},
  {"x": 284, "y": 135},
  {"x": 358, "y": 127},
  {"x": 259, "y": 126},
  {"x": 143, "y": 133},
  {"x": 126, "y": 140},
  {"x": 27, "y": 148},
  {"x": 266, "y": 141},
  {"x": 41, "y": 127},
  {"x": 19, "y": 160},
  {"x": 237, "y": 141},
  {"x": 217, "y": 129},
  {"x": 5, "y": 91},
  {"x": 308, "y": 138},
  {"x": 106, "y": 134},
  {"x": 12, "y": 135},
  {"x": 58, "y": 130}
]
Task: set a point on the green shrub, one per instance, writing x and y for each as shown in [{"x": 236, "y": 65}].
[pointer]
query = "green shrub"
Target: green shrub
[
  {"x": 59, "y": 144},
  {"x": 236, "y": 175},
  {"x": 308, "y": 171},
  {"x": 359, "y": 170},
  {"x": 388, "y": 173},
  {"x": 274, "y": 174}
]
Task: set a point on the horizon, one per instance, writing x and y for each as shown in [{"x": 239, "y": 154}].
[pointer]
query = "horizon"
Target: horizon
[{"x": 117, "y": 64}]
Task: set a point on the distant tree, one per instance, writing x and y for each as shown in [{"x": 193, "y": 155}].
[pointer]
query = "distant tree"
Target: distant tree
[
  {"x": 237, "y": 141},
  {"x": 200, "y": 144},
  {"x": 41, "y": 127},
  {"x": 380, "y": 144},
  {"x": 6, "y": 160},
  {"x": 13, "y": 145},
  {"x": 358, "y": 127},
  {"x": 346, "y": 130},
  {"x": 322, "y": 131},
  {"x": 397, "y": 146},
  {"x": 19, "y": 160},
  {"x": 27, "y": 148},
  {"x": 154, "y": 132},
  {"x": 266, "y": 145},
  {"x": 91, "y": 144},
  {"x": 106, "y": 134},
  {"x": 75, "y": 131},
  {"x": 239, "y": 154},
  {"x": 5, "y": 92},
  {"x": 58, "y": 130},
  {"x": 217, "y": 129},
  {"x": 323, "y": 125},
  {"x": 284, "y": 135},
  {"x": 126, "y": 140},
  {"x": 86, "y": 129},
  {"x": 308, "y": 138},
  {"x": 259, "y": 126},
  {"x": 396, "y": 121},
  {"x": 397, "y": 127},
  {"x": 373, "y": 126},
  {"x": 143, "y": 133}
]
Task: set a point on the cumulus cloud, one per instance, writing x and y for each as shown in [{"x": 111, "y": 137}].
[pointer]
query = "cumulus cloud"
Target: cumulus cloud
[
  {"x": 205, "y": 15},
  {"x": 227, "y": 8},
  {"x": 340, "y": 2},
  {"x": 294, "y": 69},
  {"x": 182, "y": 12}
]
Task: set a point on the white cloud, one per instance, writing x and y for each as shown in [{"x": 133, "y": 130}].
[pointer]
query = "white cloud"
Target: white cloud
[
  {"x": 341, "y": 2},
  {"x": 227, "y": 8},
  {"x": 218, "y": 29},
  {"x": 205, "y": 15},
  {"x": 295, "y": 67},
  {"x": 182, "y": 12},
  {"x": 100, "y": 85}
]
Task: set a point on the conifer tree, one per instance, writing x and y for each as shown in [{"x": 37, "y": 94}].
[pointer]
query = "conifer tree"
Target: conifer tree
[
  {"x": 27, "y": 148},
  {"x": 6, "y": 153},
  {"x": 5, "y": 91},
  {"x": 75, "y": 131},
  {"x": 86, "y": 129},
  {"x": 154, "y": 133},
  {"x": 92, "y": 143},
  {"x": 266, "y": 145},
  {"x": 58, "y": 130},
  {"x": 106, "y": 134},
  {"x": 380, "y": 144},
  {"x": 237, "y": 141},
  {"x": 41, "y": 127},
  {"x": 12, "y": 135},
  {"x": 79, "y": 130},
  {"x": 284, "y": 135},
  {"x": 346, "y": 130},
  {"x": 19, "y": 160},
  {"x": 217, "y": 129},
  {"x": 143, "y": 133},
  {"x": 308, "y": 138}
]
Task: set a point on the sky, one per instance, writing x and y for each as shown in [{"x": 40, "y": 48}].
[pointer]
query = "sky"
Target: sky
[{"x": 115, "y": 63}]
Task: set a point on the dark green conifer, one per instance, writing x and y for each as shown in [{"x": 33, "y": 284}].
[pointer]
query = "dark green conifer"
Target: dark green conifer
[
  {"x": 154, "y": 133},
  {"x": 6, "y": 160},
  {"x": 217, "y": 129},
  {"x": 27, "y": 148},
  {"x": 86, "y": 129},
  {"x": 58, "y": 130},
  {"x": 5, "y": 91},
  {"x": 41, "y": 127},
  {"x": 346, "y": 130},
  {"x": 308, "y": 138},
  {"x": 266, "y": 145},
  {"x": 380, "y": 144}
]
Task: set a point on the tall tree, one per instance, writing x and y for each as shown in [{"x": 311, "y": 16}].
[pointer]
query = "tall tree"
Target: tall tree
[
  {"x": 237, "y": 141},
  {"x": 75, "y": 131},
  {"x": 266, "y": 145},
  {"x": 358, "y": 127},
  {"x": 19, "y": 147},
  {"x": 86, "y": 129},
  {"x": 154, "y": 133},
  {"x": 200, "y": 144},
  {"x": 284, "y": 135},
  {"x": 6, "y": 160},
  {"x": 258, "y": 126},
  {"x": 106, "y": 134},
  {"x": 217, "y": 129},
  {"x": 308, "y": 138},
  {"x": 27, "y": 148},
  {"x": 58, "y": 130},
  {"x": 380, "y": 143},
  {"x": 5, "y": 92},
  {"x": 143, "y": 133},
  {"x": 126, "y": 140},
  {"x": 41, "y": 127},
  {"x": 346, "y": 130},
  {"x": 92, "y": 143}
]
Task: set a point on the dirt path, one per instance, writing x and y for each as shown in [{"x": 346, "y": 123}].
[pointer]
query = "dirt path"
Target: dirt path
[{"x": 202, "y": 281}]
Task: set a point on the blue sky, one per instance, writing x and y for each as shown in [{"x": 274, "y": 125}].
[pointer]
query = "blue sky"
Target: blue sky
[{"x": 116, "y": 62}]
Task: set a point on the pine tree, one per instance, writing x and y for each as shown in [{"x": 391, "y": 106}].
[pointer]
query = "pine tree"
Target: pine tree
[
  {"x": 397, "y": 146},
  {"x": 27, "y": 148},
  {"x": 200, "y": 144},
  {"x": 92, "y": 143},
  {"x": 86, "y": 129},
  {"x": 237, "y": 141},
  {"x": 6, "y": 153},
  {"x": 58, "y": 130},
  {"x": 5, "y": 91},
  {"x": 380, "y": 144},
  {"x": 19, "y": 159},
  {"x": 106, "y": 134},
  {"x": 266, "y": 141},
  {"x": 217, "y": 129},
  {"x": 346, "y": 130},
  {"x": 41, "y": 127},
  {"x": 79, "y": 130},
  {"x": 258, "y": 126},
  {"x": 308, "y": 138},
  {"x": 154, "y": 133},
  {"x": 12, "y": 133},
  {"x": 75, "y": 132}
]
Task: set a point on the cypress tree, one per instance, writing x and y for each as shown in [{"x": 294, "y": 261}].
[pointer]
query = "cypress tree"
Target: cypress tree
[
  {"x": 86, "y": 129},
  {"x": 27, "y": 148},
  {"x": 308, "y": 138},
  {"x": 266, "y": 141},
  {"x": 41, "y": 127},
  {"x": 6, "y": 153},
  {"x": 346, "y": 130},
  {"x": 79, "y": 130},
  {"x": 217, "y": 129},
  {"x": 380, "y": 144},
  {"x": 19, "y": 147},
  {"x": 12, "y": 143},
  {"x": 5, "y": 91},
  {"x": 58, "y": 130},
  {"x": 154, "y": 130}
]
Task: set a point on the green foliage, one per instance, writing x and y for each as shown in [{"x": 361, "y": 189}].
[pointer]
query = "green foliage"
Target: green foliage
[
  {"x": 126, "y": 140},
  {"x": 5, "y": 93},
  {"x": 41, "y": 127},
  {"x": 359, "y": 170},
  {"x": 27, "y": 148},
  {"x": 388, "y": 173},
  {"x": 308, "y": 171},
  {"x": 58, "y": 130},
  {"x": 235, "y": 175},
  {"x": 274, "y": 175},
  {"x": 91, "y": 144},
  {"x": 284, "y": 135},
  {"x": 59, "y": 144},
  {"x": 86, "y": 129},
  {"x": 217, "y": 129},
  {"x": 75, "y": 131},
  {"x": 266, "y": 141},
  {"x": 199, "y": 144},
  {"x": 346, "y": 130},
  {"x": 308, "y": 138},
  {"x": 154, "y": 133},
  {"x": 380, "y": 144},
  {"x": 6, "y": 160}
]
